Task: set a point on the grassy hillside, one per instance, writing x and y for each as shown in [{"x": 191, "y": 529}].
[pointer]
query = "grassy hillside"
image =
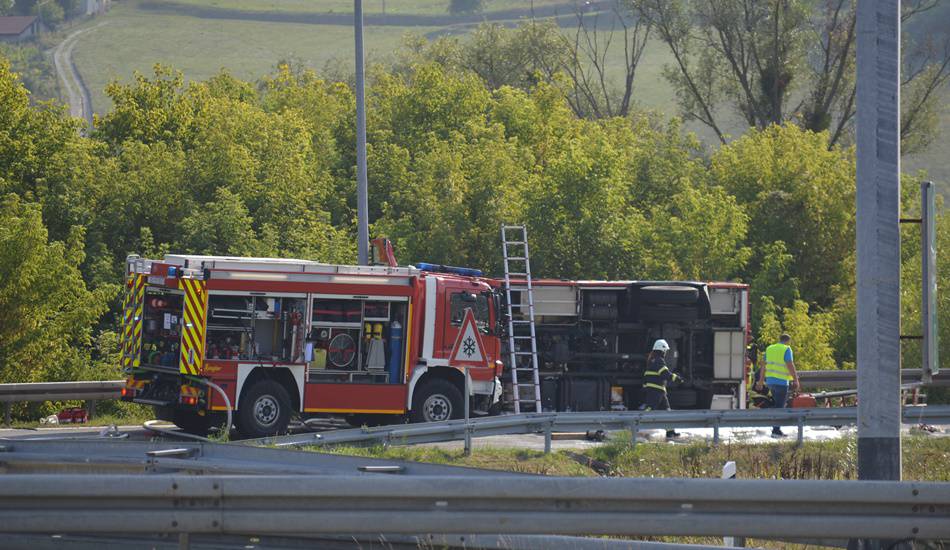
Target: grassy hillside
[
  {"x": 248, "y": 37},
  {"x": 138, "y": 35}
]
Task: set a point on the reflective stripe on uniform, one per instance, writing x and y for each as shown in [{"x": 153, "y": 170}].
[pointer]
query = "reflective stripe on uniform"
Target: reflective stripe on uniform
[{"x": 655, "y": 386}]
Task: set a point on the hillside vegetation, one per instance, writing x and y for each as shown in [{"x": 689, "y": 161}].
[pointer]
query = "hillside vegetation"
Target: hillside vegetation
[{"x": 229, "y": 165}]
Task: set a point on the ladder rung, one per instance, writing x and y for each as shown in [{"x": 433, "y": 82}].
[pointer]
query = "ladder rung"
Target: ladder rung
[
  {"x": 523, "y": 353},
  {"x": 520, "y": 321},
  {"x": 523, "y": 337},
  {"x": 519, "y": 258},
  {"x": 520, "y": 274}
]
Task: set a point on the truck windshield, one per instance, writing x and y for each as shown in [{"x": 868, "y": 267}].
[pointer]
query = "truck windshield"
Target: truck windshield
[{"x": 461, "y": 301}]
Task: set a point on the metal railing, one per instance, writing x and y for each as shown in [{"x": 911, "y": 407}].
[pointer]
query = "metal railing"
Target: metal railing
[
  {"x": 57, "y": 391},
  {"x": 292, "y": 505},
  {"x": 548, "y": 423},
  {"x": 845, "y": 379},
  {"x": 46, "y": 455}
]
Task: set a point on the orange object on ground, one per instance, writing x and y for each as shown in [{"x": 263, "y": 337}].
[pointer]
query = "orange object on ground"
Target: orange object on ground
[{"x": 804, "y": 400}]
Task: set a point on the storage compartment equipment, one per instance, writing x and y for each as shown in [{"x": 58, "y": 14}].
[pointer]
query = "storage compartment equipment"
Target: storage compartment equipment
[
  {"x": 729, "y": 355},
  {"x": 357, "y": 340}
]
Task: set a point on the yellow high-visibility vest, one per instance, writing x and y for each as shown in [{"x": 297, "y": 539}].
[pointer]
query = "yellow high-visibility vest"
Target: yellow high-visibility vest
[{"x": 775, "y": 362}]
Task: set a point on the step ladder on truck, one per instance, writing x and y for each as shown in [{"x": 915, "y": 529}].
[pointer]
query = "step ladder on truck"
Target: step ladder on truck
[{"x": 522, "y": 345}]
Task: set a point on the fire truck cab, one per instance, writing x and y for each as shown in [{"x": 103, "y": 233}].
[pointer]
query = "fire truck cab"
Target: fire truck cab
[{"x": 282, "y": 337}]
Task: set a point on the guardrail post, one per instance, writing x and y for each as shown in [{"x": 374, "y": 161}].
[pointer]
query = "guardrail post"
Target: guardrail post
[
  {"x": 468, "y": 427},
  {"x": 91, "y": 408},
  {"x": 716, "y": 431},
  {"x": 801, "y": 430},
  {"x": 7, "y": 414},
  {"x": 634, "y": 428},
  {"x": 547, "y": 436},
  {"x": 183, "y": 541},
  {"x": 729, "y": 472}
]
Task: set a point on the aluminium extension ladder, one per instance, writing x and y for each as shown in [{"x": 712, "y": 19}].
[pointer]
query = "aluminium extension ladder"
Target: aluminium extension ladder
[{"x": 522, "y": 344}]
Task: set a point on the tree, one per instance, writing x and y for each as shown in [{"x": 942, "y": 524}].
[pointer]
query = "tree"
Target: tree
[
  {"x": 759, "y": 58},
  {"x": 811, "y": 334},
  {"x": 538, "y": 50},
  {"x": 798, "y": 192},
  {"x": 46, "y": 312}
]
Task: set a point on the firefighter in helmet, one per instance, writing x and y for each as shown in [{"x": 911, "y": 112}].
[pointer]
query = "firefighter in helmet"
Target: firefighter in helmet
[{"x": 655, "y": 379}]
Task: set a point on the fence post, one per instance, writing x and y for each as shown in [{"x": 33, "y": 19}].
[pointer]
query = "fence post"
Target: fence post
[
  {"x": 729, "y": 472},
  {"x": 547, "y": 436},
  {"x": 468, "y": 428}
]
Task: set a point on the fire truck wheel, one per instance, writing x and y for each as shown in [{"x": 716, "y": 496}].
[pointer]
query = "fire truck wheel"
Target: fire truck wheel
[
  {"x": 437, "y": 400},
  {"x": 264, "y": 410}
]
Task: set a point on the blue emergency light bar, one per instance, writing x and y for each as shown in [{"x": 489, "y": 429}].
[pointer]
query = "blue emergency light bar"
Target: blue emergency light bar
[{"x": 438, "y": 268}]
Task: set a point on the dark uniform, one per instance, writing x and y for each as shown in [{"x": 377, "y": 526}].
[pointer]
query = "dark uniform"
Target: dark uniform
[{"x": 655, "y": 379}]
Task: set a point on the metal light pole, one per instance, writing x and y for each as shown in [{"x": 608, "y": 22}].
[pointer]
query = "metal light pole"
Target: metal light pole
[
  {"x": 878, "y": 236},
  {"x": 362, "y": 204}
]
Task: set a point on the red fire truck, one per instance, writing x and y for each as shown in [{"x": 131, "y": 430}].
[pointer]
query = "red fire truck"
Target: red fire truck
[{"x": 282, "y": 337}]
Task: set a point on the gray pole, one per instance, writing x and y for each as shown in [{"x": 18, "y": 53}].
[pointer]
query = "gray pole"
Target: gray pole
[
  {"x": 362, "y": 205},
  {"x": 878, "y": 236},
  {"x": 928, "y": 288}
]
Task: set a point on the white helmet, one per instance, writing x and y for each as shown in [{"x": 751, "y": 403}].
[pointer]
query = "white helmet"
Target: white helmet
[{"x": 661, "y": 345}]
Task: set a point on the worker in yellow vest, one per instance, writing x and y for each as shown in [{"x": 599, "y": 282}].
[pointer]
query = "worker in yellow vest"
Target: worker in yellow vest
[{"x": 778, "y": 372}]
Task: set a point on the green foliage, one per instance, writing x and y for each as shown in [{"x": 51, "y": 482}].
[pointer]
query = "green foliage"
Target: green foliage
[
  {"x": 796, "y": 191},
  {"x": 46, "y": 312},
  {"x": 225, "y": 166},
  {"x": 34, "y": 70},
  {"x": 811, "y": 333}
]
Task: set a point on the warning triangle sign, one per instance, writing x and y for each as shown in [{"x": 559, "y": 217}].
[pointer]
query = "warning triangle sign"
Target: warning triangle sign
[{"x": 468, "y": 351}]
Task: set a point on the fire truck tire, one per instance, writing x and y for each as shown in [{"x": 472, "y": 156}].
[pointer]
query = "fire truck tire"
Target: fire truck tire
[
  {"x": 264, "y": 410},
  {"x": 435, "y": 401},
  {"x": 191, "y": 422}
]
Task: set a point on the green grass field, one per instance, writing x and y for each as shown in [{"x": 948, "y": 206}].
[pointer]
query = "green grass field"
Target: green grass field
[
  {"x": 137, "y": 36},
  {"x": 370, "y": 7}
]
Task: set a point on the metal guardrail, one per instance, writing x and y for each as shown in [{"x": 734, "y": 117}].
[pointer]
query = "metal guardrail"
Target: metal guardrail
[
  {"x": 124, "y": 457},
  {"x": 90, "y": 391},
  {"x": 60, "y": 391},
  {"x": 548, "y": 423},
  {"x": 335, "y": 542},
  {"x": 846, "y": 379},
  {"x": 292, "y": 505}
]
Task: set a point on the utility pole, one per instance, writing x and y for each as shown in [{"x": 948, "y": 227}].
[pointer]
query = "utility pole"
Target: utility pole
[
  {"x": 362, "y": 202},
  {"x": 878, "y": 239}
]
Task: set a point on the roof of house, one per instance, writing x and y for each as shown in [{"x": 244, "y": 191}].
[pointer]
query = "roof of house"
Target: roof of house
[{"x": 15, "y": 24}]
